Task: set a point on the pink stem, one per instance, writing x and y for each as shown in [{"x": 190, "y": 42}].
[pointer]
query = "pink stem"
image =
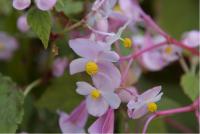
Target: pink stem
[
  {"x": 152, "y": 23},
  {"x": 147, "y": 123},
  {"x": 139, "y": 53},
  {"x": 189, "y": 108},
  {"x": 126, "y": 71}
]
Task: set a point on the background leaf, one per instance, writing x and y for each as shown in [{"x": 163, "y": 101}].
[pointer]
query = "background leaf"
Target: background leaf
[
  {"x": 11, "y": 105},
  {"x": 190, "y": 85},
  {"x": 40, "y": 22}
]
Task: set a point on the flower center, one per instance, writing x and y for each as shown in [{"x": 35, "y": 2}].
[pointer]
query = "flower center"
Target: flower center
[
  {"x": 168, "y": 50},
  {"x": 95, "y": 94},
  {"x": 152, "y": 107},
  {"x": 117, "y": 8},
  {"x": 127, "y": 42},
  {"x": 91, "y": 68}
]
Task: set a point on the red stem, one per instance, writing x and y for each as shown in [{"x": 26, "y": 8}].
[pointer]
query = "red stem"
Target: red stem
[
  {"x": 149, "y": 21},
  {"x": 139, "y": 53}
]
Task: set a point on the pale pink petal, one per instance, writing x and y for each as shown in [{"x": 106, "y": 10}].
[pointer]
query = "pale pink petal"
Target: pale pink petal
[
  {"x": 102, "y": 25},
  {"x": 137, "y": 113},
  {"x": 112, "y": 99},
  {"x": 108, "y": 126},
  {"x": 130, "y": 9},
  {"x": 45, "y": 4},
  {"x": 21, "y": 4},
  {"x": 153, "y": 61},
  {"x": 66, "y": 126},
  {"x": 109, "y": 56},
  {"x": 96, "y": 107},
  {"x": 192, "y": 38},
  {"x": 149, "y": 94},
  {"x": 111, "y": 71},
  {"x": 85, "y": 48},
  {"x": 128, "y": 94},
  {"x": 102, "y": 81},
  {"x": 79, "y": 115},
  {"x": 157, "y": 98},
  {"x": 104, "y": 124},
  {"x": 75, "y": 122},
  {"x": 134, "y": 104},
  {"x": 77, "y": 65},
  {"x": 83, "y": 88}
]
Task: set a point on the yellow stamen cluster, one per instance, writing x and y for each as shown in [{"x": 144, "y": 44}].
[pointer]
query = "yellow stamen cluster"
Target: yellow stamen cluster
[
  {"x": 91, "y": 68},
  {"x": 152, "y": 107},
  {"x": 117, "y": 8},
  {"x": 95, "y": 94},
  {"x": 168, "y": 50},
  {"x": 127, "y": 42}
]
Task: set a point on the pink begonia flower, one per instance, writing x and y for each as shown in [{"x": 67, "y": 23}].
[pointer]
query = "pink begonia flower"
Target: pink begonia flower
[
  {"x": 8, "y": 45},
  {"x": 169, "y": 52},
  {"x": 130, "y": 9},
  {"x": 45, "y": 4},
  {"x": 144, "y": 103},
  {"x": 128, "y": 94},
  {"x": 98, "y": 98},
  {"x": 104, "y": 124},
  {"x": 21, "y": 4},
  {"x": 75, "y": 122},
  {"x": 59, "y": 66},
  {"x": 192, "y": 38},
  {"x": 96, "y": 60},
  {"x": 22, "y": 23}
]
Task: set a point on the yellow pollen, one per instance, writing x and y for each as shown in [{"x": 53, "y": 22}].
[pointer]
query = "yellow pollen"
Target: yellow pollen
[
  {"x": 127, "y": 42},
  {"x": 91, "y": 68},
  {"x": 117, "y": 8},
  {"x": 168, "y": 50},
  {"x": 152, "y": 107},
  {"x": 95, "y": 93}
]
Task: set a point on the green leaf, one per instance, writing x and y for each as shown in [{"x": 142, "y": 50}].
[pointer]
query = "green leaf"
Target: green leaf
[
  {"x": 190, "y": 85},
  {"x": 61, "y": 94},
  {"x": 69, "y": 7},
  {"x": 40, "y": 22},
  {"x": 11, "y": 105}
]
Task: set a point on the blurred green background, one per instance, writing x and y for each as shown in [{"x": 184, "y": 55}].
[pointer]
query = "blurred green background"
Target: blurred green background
[{"x": 31, "y": 61}]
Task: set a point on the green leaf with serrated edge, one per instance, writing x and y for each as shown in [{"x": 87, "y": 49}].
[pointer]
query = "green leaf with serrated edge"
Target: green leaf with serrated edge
[
  {"x": 11, "y": 105},
  {"x": 40, "y": 23},
  {"x": 190, "y": 85}
]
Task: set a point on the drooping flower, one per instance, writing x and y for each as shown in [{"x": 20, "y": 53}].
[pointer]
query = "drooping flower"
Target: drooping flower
[
  {"x": 21, "y": 4},
  {"x": 97, "y": 60},
  {"x": 192, "y": 38},
  {"x": 98, "y": 98},
  {"x": 22, "y": 23},
  {"x": 45, "y": 4},
  {"x": 59, "y": 66},
  {"x": 75, "y": 122},
  {"x": 144, "y": 103},
  {"x": 104, "y": 124},
  {"x": 8, "y": 45}
]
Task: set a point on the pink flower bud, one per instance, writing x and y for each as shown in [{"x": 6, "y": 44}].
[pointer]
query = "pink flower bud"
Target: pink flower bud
[
  {"x": 45, "y": 4},
  {"x": 22, "y": 23},
  {"x": 21, "y": 4}
]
